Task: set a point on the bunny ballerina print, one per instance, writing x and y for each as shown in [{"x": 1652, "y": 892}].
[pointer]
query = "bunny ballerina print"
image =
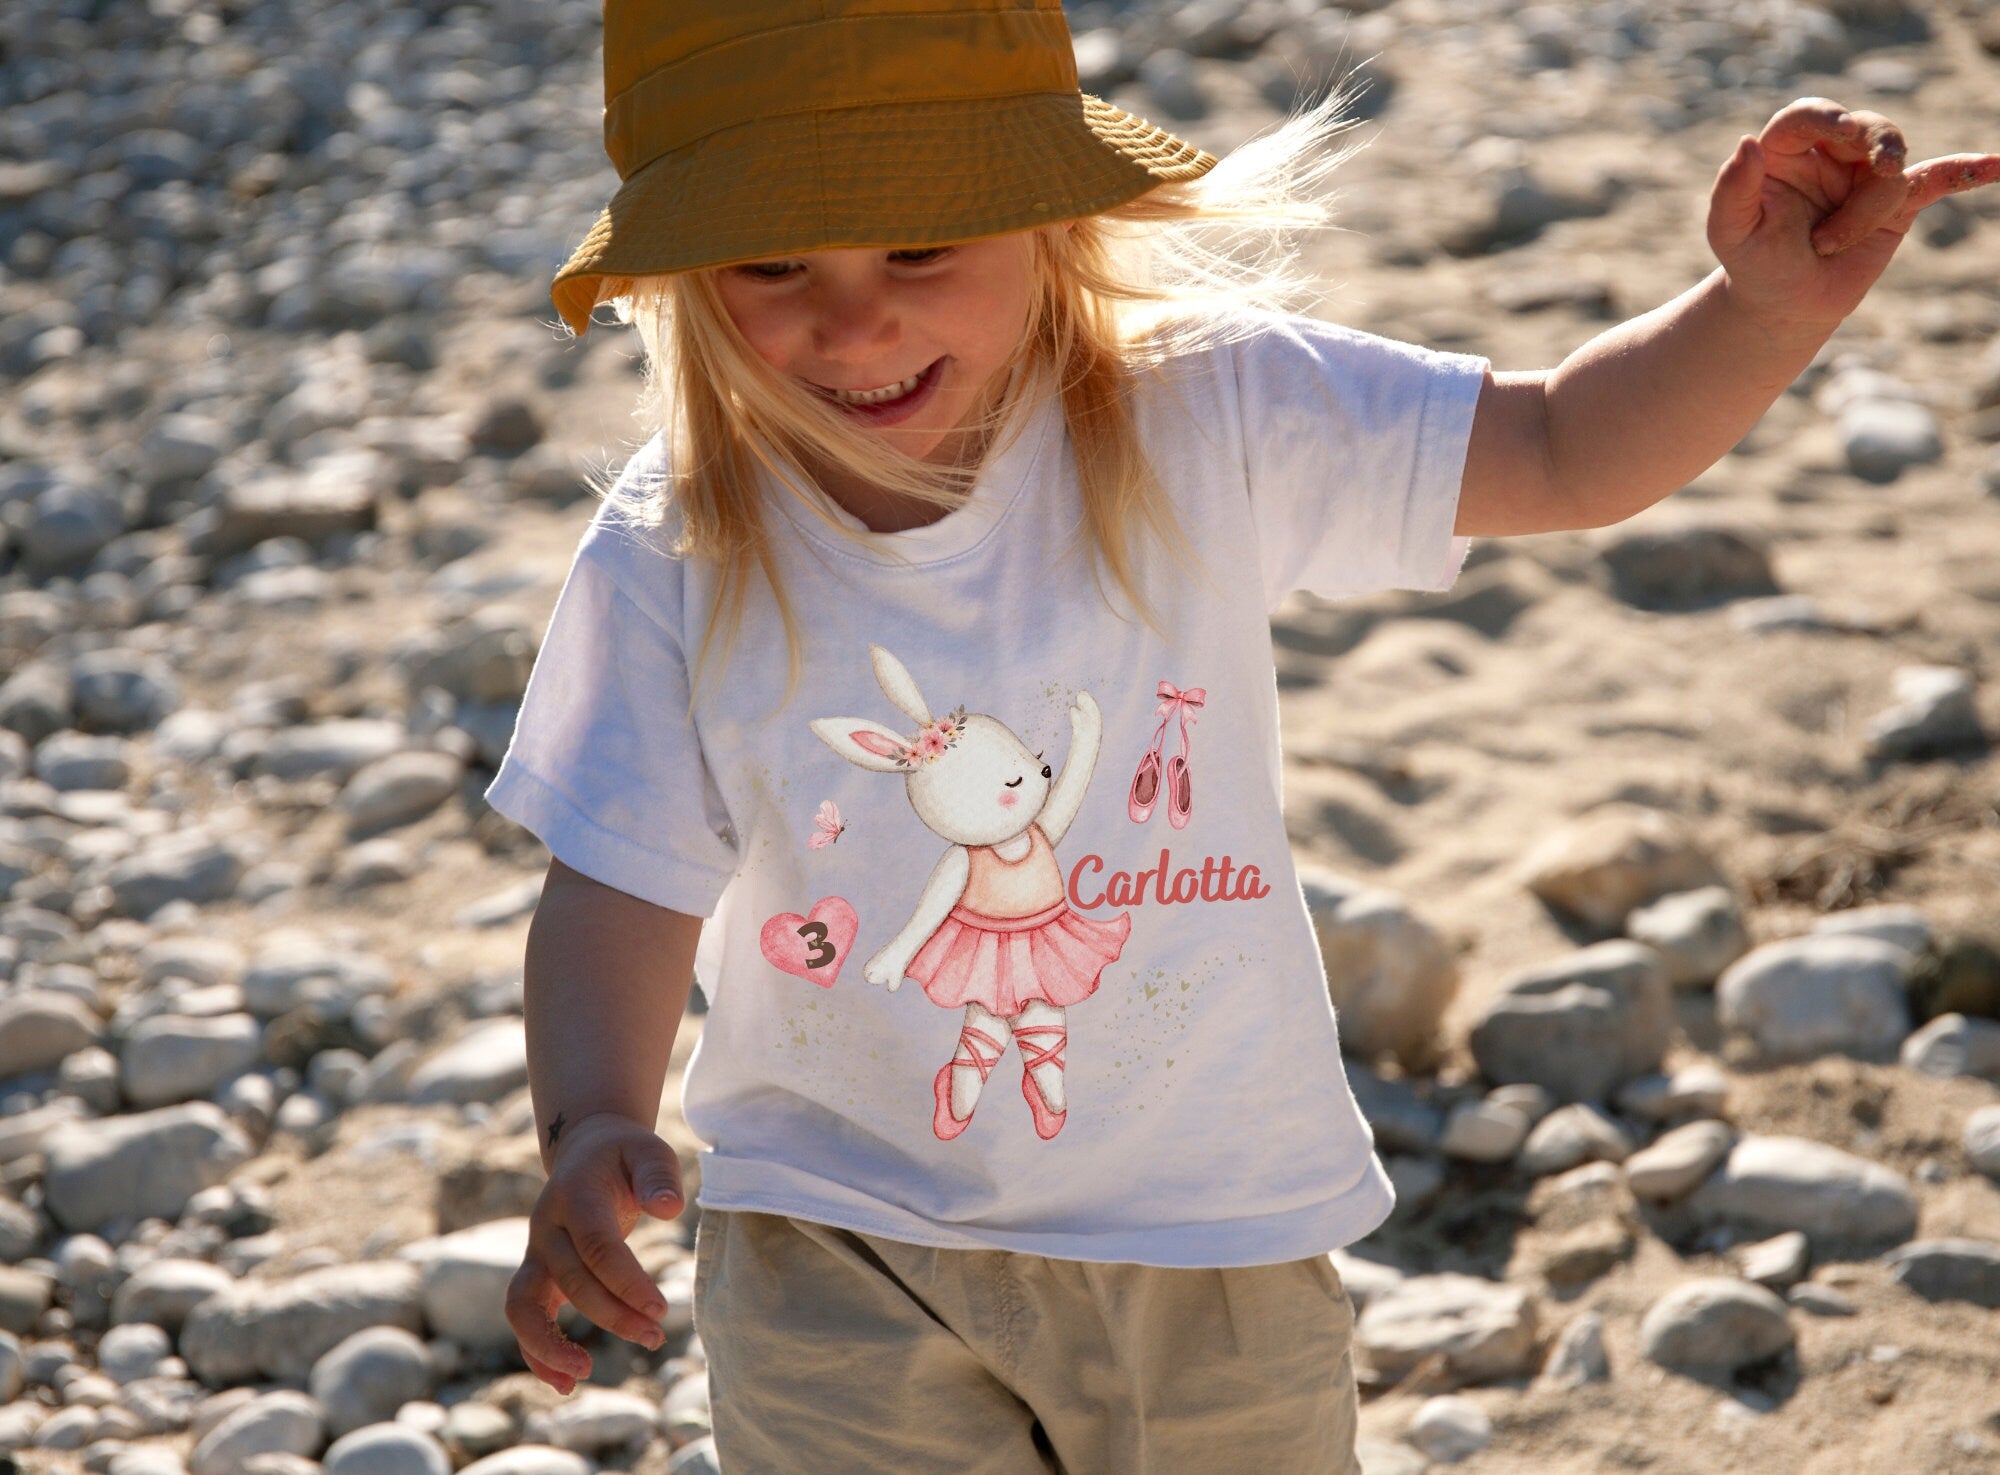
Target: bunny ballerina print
[{"x": 993, "y": 931}]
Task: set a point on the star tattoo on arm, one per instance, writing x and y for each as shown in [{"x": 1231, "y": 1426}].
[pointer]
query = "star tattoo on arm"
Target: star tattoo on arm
[{"x": 555, "y": 1128}]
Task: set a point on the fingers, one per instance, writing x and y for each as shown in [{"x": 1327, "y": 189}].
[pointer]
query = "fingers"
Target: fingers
[
  {"x": 1933, "y": 179},
  {"x": 532, "y": 1298},
  {"x": 603, "y": 1279},
  {"x": 1737, "y": 204},
  {"x": 656, "y": 1180},
  {"x": 1877, "y": 200},
  {"x": 1851, "y": 137}
]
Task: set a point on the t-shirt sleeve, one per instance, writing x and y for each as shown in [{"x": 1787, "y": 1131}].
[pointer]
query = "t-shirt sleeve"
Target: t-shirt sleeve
[
  {"x": 1354, "y": 448},
  {"x": 605, "y": 765}
]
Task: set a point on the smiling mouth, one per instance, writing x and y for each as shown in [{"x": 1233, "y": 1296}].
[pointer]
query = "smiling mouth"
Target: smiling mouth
[{"x": 887, "y": 394}]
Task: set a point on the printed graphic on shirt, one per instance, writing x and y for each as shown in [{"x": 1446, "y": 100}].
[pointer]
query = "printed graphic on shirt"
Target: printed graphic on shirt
[
  {"x": 993, "y": 931},
  {"x": 827, "y": 826},
  {"x": 1178, "y": 784},
  {"x": 814, "y": 946}
]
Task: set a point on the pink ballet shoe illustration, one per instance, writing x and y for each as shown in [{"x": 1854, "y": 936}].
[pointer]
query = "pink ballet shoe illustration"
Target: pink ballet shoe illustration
[
  {"x": 1180, "y": 786},
  {"x": 1178, "y": 780},
  {"x": 943, "y": 1123},
  {"x": 1047, "y": 1123},
  {"x": 1146, "y": 783}
]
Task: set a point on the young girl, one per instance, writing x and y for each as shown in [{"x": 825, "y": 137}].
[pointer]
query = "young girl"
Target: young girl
[{"x": 937, "y": 343}]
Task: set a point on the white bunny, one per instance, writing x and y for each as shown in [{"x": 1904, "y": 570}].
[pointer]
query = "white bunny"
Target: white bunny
[{"x": 977, "y": 785}]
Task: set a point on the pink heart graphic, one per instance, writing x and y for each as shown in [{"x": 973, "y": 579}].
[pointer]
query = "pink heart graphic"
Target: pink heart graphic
[{"x": 814, "y": 946}]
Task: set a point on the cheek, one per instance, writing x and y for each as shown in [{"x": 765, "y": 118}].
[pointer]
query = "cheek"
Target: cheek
[
  {"x": 1008, "y": 798},
  {"x": 765, "y": 332}
]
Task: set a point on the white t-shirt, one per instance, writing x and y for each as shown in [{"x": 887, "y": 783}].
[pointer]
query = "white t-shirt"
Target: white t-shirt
[{"x": 1208, "y": 1120}]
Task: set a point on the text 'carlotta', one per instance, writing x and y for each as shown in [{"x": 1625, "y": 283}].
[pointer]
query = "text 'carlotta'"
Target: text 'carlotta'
[{"x": 1217, "y": 880}]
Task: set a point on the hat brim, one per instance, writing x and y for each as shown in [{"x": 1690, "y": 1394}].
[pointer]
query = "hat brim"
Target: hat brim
[{"x": 910, "y": 175}]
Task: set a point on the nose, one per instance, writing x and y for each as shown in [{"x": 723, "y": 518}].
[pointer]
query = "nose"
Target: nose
[{"x": 854, "y": 325}]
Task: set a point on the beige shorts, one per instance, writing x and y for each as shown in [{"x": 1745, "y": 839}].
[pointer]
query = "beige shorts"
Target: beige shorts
[{"x": 837, "y": 1353}]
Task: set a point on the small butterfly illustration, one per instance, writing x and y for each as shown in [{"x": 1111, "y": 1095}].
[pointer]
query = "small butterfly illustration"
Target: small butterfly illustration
[{"x": 828, "y": 823}]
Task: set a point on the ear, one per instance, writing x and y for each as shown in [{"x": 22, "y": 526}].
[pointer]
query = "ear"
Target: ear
[
  {"x": 865, "y": 744},
  {"x": 898, "y": 685}
]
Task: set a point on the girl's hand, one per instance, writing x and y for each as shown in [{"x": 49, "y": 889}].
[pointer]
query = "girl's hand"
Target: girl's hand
[
  {"x": 608, "y": 1170},
  {"x": 1805, "y": 216}
]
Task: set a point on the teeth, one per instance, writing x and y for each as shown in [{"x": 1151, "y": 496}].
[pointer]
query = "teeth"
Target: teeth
[{"x": 877, "y": 396}]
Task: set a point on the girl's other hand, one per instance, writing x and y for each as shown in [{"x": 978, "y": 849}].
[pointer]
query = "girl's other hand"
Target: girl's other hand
[
  {"x": 607, "y": 1171},
  {"x": 1805, "y": 216}
]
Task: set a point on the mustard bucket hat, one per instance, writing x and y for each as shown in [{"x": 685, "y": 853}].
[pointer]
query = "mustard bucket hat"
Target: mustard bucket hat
[{"x": 759, "y": 128}]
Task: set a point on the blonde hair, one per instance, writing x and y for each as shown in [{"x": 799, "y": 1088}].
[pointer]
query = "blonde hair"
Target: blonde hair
[{"x": 1118, "y": 294}]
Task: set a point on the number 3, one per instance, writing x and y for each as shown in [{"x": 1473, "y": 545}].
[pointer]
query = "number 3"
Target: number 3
[{"x": 822, "y": 952}]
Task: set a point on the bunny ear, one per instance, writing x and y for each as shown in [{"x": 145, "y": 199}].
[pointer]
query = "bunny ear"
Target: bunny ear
[
  {"x": 898, "y": 685},
  {"x": 863, "y": 743}
]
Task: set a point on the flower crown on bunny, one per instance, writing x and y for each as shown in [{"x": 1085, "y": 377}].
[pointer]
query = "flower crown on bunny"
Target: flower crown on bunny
[{"x": 931, "y": 740}]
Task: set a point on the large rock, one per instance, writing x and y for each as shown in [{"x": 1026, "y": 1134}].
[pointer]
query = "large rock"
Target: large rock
[
  {"x": 1450, "y": 1429},
  {"x": 496, "y": 1178},
  {"x": 1949, "y": 1270},
  {"x": 597, "y": 1421},
  {"x": 336, "y": 750},
  {"x": 39, "y": 1027},
  {"x": 1953, "y": 1045},
  {"x": 1578, "y": 1356},
  {"x": 483, "y": 1064},
  {"x": 175, "y": 1058},
  {"x": 184, "y": 865},
  {"x": 164, "y": 1292},
  {"x": 1713, "y": 1327},
  {"x": 295, "y": 969},
  {"x": 465, "y": 1276},
  {"x": 1484, "y": 1131},
  {"x": 1391, "y": 976},
  {"x": 387, "y": 1449},
  {"x": 1618, "y": 856},
  {"x": 277, "y": 1423},
  {"x": 1935, "y": 712},
  {"x": 1482, "y": 1329},
  {"x": 1581, "y": 1026},
  {"x": 1771, "y": 1184},
  {"x": 530, "y": 1459},
  {"x": 1696, "y": 933},
  {"x": 1898, "y": 922},
  {"x": 132, "y": 1351},
  {"x": 337, "y": 493},
  {"x": 1698, "y": 1089},
  {"x": 398, "y": 789},
  {"x": 279, "y": 1329},
  {"x": 1571, "y": 1136},
  {"x": 1679, "y": 1162},
  {"x": 1880, "y": 437},
  {"x": 1819, "y": 994},
  {"x": 1401, "y": 1120},
  {"x": 1981, "y": 1140},
  {"x": 1688, "y": 566},
  {"x": 369, "y": 1376},
  {"x": 145, "y": 1166},
  {"x": 123, "y": 690},
  {"x": 24, "y": 1133}
]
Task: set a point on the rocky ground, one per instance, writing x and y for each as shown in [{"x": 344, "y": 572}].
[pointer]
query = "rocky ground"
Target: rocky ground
[{"x": 1654, "y": 866}]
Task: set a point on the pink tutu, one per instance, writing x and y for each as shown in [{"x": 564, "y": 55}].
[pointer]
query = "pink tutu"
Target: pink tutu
[{"x": 1002, "y": 963}]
